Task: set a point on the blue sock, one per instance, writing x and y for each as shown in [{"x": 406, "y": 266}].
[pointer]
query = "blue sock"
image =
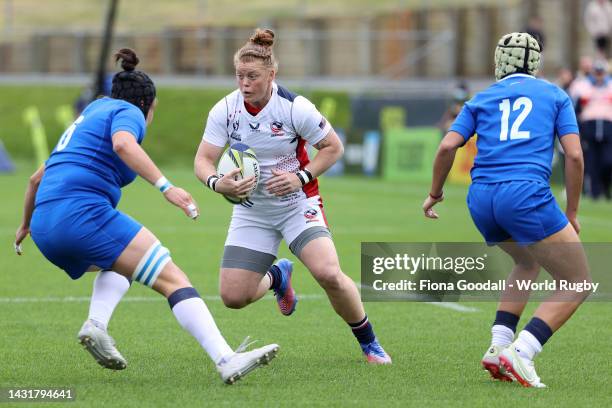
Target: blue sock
[
  {"x": 276, "y": 276},
  {"x": 363, "y": 331},
  {"x": 182, "y": 294},
  {"x": 540, "y": 329},
  {"x": 510, "y": 320}
]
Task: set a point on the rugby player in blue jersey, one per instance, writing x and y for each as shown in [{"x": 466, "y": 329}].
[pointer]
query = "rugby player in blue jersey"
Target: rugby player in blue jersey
[
  {"x": 517, "y": 120},
  {"x": 70, "y": 212}
]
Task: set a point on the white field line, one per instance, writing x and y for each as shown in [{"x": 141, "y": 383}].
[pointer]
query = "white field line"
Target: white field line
[
  {"x": 455, "y": 306},
  {"x": 143, "y": 299},
  {"x": 446, "y": 305},
  {"x": 146, "y": 299}
]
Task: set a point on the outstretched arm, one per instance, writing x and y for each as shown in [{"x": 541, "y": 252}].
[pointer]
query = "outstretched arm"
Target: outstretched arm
[
  {"x": 132, "y": 154},
  {"x": 128, "y": 149},
  {"x": 28, "y": 207},
  {"x": 442, "y": 165}
]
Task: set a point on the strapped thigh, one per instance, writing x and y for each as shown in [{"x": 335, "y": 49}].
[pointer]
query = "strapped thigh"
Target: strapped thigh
[
  {"x": 151, "y": 264},
  {"x": 306, "y": 236},
  {"x": 249, "y": 259}
]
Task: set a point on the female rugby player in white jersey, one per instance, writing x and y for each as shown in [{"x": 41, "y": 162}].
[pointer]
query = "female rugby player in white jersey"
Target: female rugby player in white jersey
[{"x": 276, "y": 124}]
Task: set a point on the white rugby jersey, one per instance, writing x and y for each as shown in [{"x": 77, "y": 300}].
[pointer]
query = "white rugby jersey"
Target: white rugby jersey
[{"x": 278, "y": 135}]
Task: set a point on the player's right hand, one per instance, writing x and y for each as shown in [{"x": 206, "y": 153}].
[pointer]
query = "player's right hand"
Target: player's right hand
[
  {"x": 183, "y": 200},
  {"x": 573, "y": 219},
  {"x": 20, "y": 235},
  {"x": 230, "y": 186},
  {"x": 428, "y": 206}
]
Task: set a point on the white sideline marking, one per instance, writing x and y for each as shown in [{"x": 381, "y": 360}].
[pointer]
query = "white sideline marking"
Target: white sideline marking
[
  {"x": 143, "y": 299},
  {"x": 454, "y": 306},
  {"x": 447, "y": 305}
]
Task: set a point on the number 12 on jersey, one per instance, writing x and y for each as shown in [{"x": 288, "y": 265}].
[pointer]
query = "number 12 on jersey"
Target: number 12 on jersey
[{"x": 515, "y": 133}]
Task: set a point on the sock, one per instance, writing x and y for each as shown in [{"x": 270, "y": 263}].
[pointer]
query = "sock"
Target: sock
[
  {"x": 531, "y": 339},
  {"x": 539, "y": 329},
  {"x": 363, "y": 331},
  {"x": 504, "y": 327},
  {"x": 193, "y": 315},
  {"x": 108, "y": 289},
  {"x": 501, "y": 336},
  {"x": 526, "y": 345},
  {"x": 275, "y": 275}
]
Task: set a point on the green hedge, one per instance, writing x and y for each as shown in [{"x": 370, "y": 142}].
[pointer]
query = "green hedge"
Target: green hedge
[{"x": 172, "y": 138}]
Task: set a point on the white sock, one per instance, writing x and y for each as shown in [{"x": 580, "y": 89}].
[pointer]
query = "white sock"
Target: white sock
[
  {"x": 501, "y": 335},
  {"x": 108, "y": 289},
  {"x": 193, "y": 315},
  {"x": 526, "y": 345}
]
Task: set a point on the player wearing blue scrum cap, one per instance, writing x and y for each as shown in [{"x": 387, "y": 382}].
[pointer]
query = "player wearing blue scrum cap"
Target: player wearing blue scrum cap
[
  {"x": 517, "y": 120},
  {"x": 70, "y": 212}
]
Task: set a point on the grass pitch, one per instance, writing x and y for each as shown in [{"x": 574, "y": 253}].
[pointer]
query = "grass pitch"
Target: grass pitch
[{"x": 436, "y": 350}]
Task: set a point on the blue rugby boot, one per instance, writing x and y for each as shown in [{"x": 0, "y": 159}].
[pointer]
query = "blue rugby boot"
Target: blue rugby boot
[
  {"x": 374, "y": 353},
  {"x": 285, "y": 294}
]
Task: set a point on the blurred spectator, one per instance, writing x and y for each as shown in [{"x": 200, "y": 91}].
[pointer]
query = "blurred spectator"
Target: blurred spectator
[
  {"x": 564, "y": 79},
  {"x": 583, "y": 81},
  {"x": 585, "y": 67},
  {"x": 535, "y": 27},
  {"x": 459, "y": 96},
  {"x": 598, "y": 22},
  {"x": 593, "y": 97}
]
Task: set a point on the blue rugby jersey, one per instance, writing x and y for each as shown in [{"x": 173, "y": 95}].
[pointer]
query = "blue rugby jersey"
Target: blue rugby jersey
[
  {"x": 83, "y": 165},
  {"x": 516, "y": 120}
]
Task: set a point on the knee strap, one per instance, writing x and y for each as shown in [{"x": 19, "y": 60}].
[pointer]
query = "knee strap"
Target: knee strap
[{"x": 151, "y": 264}]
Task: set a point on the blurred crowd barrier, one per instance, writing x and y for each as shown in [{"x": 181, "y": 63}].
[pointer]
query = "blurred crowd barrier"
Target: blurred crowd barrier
[{"x": 426, "y": 42}]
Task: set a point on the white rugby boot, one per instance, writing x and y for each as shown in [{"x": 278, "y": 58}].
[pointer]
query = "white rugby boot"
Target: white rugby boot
[
  {"x": 490, "y": 362},
  {"x": 101, "y": 346},
  {"x": 521, "y": 368},
  {"x": 242, "y": 362}
]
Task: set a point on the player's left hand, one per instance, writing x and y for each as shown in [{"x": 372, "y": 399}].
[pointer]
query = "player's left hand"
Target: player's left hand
[
  {"x": 20, "y": 235},
  {"x": 428, "y": 206},
  {"x": 283, "y": 183},
  {"x": 183, "y": 200}
]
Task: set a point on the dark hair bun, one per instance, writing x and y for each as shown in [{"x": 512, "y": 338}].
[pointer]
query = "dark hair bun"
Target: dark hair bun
[
  {"x": 264, "y": 38},
  {"x": 128, "y": 58}
]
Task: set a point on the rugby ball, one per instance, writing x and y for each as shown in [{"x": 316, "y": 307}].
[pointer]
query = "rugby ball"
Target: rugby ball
[{"x": 240, "y": 156}]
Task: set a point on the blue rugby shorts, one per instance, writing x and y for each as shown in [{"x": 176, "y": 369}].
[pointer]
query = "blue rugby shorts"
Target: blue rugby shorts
[
  {"x": 76, "y": 234},
  {"x": 525, "y": 211}
]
